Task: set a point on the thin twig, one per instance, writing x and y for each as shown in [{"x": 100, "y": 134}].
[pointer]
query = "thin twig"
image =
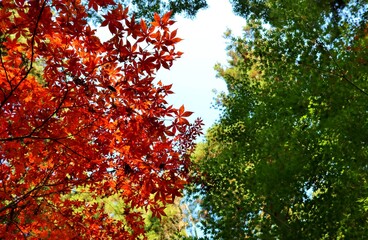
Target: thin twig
[{"x": 343, "y": 75}]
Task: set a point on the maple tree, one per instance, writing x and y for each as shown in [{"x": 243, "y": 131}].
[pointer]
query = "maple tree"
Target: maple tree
[{"x": 90, "y": 118}]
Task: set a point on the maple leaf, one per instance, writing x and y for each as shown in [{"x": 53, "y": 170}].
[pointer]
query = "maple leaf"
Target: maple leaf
[
  {"x": 113, "y": 19},
  {"x": 158, "y": 212},
  {"x": 99, "y": 3}
]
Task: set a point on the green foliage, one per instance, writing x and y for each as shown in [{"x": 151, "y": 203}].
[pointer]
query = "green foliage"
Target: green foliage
[
  {"x": 187, "y": 7},
  {"x": 146, "y": 8},
  {"x": 168, "y": 227},
  {"x": 288, "y": 158}
]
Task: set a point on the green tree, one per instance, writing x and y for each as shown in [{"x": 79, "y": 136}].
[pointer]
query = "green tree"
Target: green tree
[
  {"x": 288, "y": 157},
  {"x": 146, "y": 8}
]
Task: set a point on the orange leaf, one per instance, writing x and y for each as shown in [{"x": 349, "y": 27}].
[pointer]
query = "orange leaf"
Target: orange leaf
[
  {"x": 187, "y": 114},
  {"x": 166, "y": 17}
]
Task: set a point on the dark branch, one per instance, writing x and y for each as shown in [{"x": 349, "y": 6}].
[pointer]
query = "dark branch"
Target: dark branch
[{"x": 32, "y": 57}]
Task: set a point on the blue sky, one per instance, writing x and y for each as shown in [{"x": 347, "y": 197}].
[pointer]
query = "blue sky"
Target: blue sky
[{"x": 193, "y": 76}]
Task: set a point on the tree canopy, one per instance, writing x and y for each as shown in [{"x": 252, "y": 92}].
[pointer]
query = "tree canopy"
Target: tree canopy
[
  {"x": 146, "y": 8},
  {"x": 288, "y": 157},
  {"x": 81, "y": 116}
]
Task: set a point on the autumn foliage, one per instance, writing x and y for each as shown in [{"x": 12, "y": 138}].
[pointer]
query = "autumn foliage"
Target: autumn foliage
[{"x": 81, "y": 115}]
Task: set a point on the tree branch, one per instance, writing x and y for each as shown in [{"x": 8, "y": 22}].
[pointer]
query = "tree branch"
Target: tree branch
[
  {"x": 343, "y": 75},
  {"x": 41, "y": 125},
  {"x": 6, "y": 98}
]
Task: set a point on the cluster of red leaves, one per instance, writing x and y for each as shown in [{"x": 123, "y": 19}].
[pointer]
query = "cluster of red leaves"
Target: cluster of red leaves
[{"x": 76, "y": 112}]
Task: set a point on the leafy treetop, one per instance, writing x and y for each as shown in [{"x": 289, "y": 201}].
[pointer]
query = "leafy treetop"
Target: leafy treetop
[{"x": 288, "y": 157}]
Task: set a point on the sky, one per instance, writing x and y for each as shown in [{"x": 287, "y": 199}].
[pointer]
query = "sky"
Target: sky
[{"x": 193, "y": 75}]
